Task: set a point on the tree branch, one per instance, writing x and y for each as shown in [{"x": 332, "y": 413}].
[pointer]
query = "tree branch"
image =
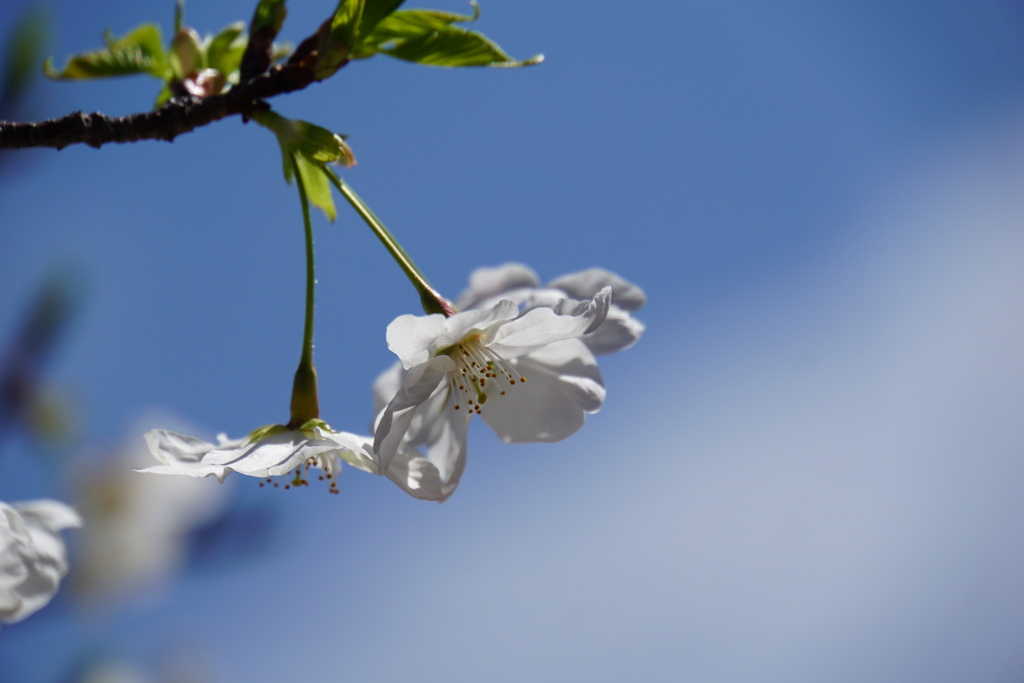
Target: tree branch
[{"x": 180, "y": 115}]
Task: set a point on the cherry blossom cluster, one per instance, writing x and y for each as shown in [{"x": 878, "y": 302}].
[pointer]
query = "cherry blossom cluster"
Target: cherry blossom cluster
[{"x": 519, "y": 355}]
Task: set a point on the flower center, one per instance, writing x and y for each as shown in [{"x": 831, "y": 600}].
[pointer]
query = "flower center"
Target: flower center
[{"x": 478, "y": 370}]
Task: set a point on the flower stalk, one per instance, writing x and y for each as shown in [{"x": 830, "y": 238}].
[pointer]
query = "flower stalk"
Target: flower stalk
[
  {"x": 430, "y": 298},
  {"x": 305, "y": 404}
]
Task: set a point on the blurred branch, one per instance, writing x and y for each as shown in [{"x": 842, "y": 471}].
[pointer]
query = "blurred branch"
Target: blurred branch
[
  {"x": 46, "y": 322},
  {"x": 22, "y": 51},
  {"x": 181, "y": 115}
]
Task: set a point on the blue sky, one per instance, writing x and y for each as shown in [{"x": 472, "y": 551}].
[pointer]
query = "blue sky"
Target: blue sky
[{"x": 810, "y": 467}]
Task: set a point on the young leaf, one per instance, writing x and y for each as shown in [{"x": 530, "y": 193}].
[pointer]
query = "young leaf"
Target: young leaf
[
  {"x": 267, "y": 20},
  {"x": 269, "y": 17},
  {"x": 374, "y": 11},
  {"x": 345, "y": 23},
  {"x": 224, "y": 51},
  {"x": 318, "y": 190},
  {"x": 430, "y": 37},
  {"x": 141, "y": 51},
  {"x": 311, "y": 147},
  {"x": 163, "y": 96},
  {"x": 343, "y": 33}
]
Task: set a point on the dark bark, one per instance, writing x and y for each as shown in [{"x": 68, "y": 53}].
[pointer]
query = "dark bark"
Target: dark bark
[{"x": 180, "y": 115}]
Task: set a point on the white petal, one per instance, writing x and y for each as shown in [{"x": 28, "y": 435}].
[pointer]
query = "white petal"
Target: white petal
[
  {"x": 438, "y": 429},
  {"x": 410, "y": 336},
  {"x": 48, "y": 514},
  {"x": 586, "y": 283},
  {"x": 272, "y": 456},
  {"x": 416, "y": 339},
  {"x": 488, "y": 283},
  {"x": 180, "y": 455},
  {"x": 563, "y": 384},
  {"x": 354, "y": 449},
  {"x": 436, "y": 476},
  {"x": 188, "y": 470},
  {"x": 33, "y": 557},
  {"x": 542, "y": 326},
  {"x": 172, "y": 448},
  {"x": 393, "y": 422},
  {"x": 387, "y": 384},
  {"x": 618, "y": 332}
]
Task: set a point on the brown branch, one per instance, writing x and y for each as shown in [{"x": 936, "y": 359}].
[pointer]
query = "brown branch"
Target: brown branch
[{"x": 178, "y": 116}]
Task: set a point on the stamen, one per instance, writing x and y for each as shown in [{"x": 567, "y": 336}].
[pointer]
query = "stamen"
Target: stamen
[
  {"x": 475, "y": 366},
  {"x": 299, "y": 476}
]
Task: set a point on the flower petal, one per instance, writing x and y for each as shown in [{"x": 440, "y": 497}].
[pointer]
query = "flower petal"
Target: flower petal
[
  {"x": 393, "y": 422},
  {"x": 33, "y": 557},
  {"x": 354, "y": 449},
  {"x": 272, "y": 456},
  {"x": 563, "y": 384},
  {"x": 434, "y": 426},
  {"x": 539, "y": 327},
  {"x": 586, "y": 283},
  {"x": 387, "y": 384},
  {"x": 410, "y": 336},
  {"x": 618, "y": 332},
  {"x": 417, "y": 338},
  {"x": 436, "y": 476},
  {"x": 181, "y": 455},
  {"x": 490, "y": 283}
]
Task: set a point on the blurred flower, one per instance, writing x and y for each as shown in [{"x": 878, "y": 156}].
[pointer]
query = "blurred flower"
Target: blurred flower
[
  {"x": 537, "y": 379},
  {"x": 137, "y": 528},
  {"x": 268, "y": 452},
  {"x": 517, "y": 282},
  {"x": 33, "y": 558}
]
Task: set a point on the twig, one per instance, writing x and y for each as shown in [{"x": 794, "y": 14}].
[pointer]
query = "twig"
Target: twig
[{"x": 180, "y": 115}]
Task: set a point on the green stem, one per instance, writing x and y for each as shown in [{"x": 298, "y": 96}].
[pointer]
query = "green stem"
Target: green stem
[
  {"x": 305, "y": 404},
  {"x": 431, "y": 299}
]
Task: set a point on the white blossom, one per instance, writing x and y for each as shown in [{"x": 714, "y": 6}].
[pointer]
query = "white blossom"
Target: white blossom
[
  {"x": 525, "y": 373},
  {"x": 136, "y": 528},
  {"x": 270, "y": 453},
  {"x": 33, "y": 557}
]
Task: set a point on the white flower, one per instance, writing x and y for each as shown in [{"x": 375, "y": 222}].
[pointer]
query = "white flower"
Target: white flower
[
  {"x": 526, "y": 374},
  {"x": 33, "y": 558},
  {"x": 269, "y": 453},
  {"x": 517, "y": 282},
  {"x": 136, "y": 528}
]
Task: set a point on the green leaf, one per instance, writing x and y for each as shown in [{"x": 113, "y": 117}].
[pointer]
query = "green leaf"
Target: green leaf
[
  {"x": 224, "y": 51},
  {"x": 268, "y": 16},
  {"x": 342, "y": 35},
  {"x": 163, "y": 96},
  {"x": 345, "y": 23},
  {"x": 312, "y": 148},
  {"x": 318, "y": 190},
  {"x": 141, "y": 51},
  {"x": 267, "y": 20},
  {"x": 430, "y": 37},
  {"x": 374, "y": 11}
]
